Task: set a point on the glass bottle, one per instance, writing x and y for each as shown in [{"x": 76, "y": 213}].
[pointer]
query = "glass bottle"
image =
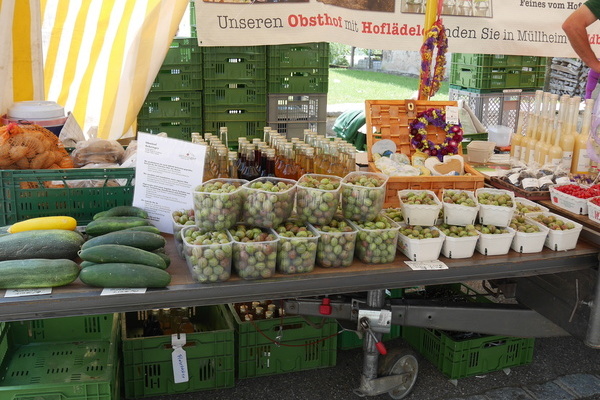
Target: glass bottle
[
  {"x": 309, "y": 159},
  {"x": 232, "y": 158},
  {"x": 241, "y": 163},
  {"x": 223, "y": 135},
  {"x": 250, "y": 171},
  {"x": 270, "y": 163},
  {"x": 334, "y": 160},
  {"x": 164, "y": 318},
  {"x": 287, "y": 167},
  {"x": 223, "y": 162},
  {"x": 351, "y": 161}
]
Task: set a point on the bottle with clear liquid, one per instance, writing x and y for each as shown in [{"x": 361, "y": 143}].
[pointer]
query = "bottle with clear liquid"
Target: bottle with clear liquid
[
  {"x": 232, "y": 164},
  {"x": 515, "y": 145},
  {"x": 567, "y": 140}
]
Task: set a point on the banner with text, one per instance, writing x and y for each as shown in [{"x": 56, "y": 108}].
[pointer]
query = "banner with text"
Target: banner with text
[{"x": 519, "y": 27}]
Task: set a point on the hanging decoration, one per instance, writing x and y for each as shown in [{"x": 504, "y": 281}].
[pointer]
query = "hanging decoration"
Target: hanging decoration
[
  {"x": 435, "y": 39},
  {"x": 417, "y": 131}
]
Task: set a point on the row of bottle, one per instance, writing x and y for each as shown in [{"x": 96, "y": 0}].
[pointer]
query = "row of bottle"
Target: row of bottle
[
  {"x": 546, "y": 136},
  {"x": 276, "y": 156},
  {"x": 257, "y": 310},
  {"x": 168, "y": 321}
]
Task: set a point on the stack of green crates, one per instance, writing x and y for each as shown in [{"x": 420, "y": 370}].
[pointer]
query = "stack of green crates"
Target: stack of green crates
[
  {"x": 147, "y": 362},
  {"x": 73, "y": 358},
  {"x": 304, "y": 344},
  {"x": 174, "y": 103},
  {"x": 297, "y": 77},
  {"x": 235, "y": 90},
  {"x": 458, "y": 354},
  {"x": 495, "y": 72}
]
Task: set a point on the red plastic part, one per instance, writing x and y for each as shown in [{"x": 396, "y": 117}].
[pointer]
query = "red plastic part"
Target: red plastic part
[
  {"x": 381, "y": 348},
  {"x": 325, "y": 307}
]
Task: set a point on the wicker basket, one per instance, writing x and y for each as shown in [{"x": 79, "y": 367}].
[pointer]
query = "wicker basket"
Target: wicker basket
[{"x": 389, "y": 119}]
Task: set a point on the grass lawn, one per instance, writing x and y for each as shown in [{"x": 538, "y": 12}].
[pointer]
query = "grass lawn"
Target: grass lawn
[{"x": 356, "y": 86}]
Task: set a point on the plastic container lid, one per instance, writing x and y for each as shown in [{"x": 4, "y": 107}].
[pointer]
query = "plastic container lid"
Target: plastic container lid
[{"x": 36, "y": 110}]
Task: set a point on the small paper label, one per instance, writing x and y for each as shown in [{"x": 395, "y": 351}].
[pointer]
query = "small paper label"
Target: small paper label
[
  {"x": 27, "y": 292},
  {"x": 514, "y": 178},
  {"x": 529, "y": 183},
  {"x": 111, "y": 291},
  {"x": 452, "y": 115},
  {"x": 563, "y": 179},
  {"x": 426, "y": 265},
  {"x": 545, "y": 180},
  {"x": 179, "y": 358}
]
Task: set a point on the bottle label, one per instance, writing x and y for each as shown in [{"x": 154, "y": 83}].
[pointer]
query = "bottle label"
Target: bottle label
[
  {"x": 530, "y": 183},
  {"x": 514, "y": 178},
  {"x": 517, "y": 152},
  {"x": 531, "y": 155},
  {"x": 583, "y": 162},
  {"x": 567, "y": 159}
]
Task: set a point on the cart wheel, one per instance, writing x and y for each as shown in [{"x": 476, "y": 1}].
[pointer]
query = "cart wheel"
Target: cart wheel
[{"x": 403, "y": 362}]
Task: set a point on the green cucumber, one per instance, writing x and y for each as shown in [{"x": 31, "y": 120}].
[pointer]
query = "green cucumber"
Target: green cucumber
[
  {"x": 118, "y": 253},
  {"x": 142, "y": 240},
  {"x": 85, "y": 264},
  {"x": 144, "y": 228},
  {"x": 124, "y": 275},
  {"x": 165, "y": 256},
  {"x": 99, "y": 215},
  {"x": 37, "y": 273},
  {"x": 111, "y": 224},
  {"x": 43, "y": 243},
  {"x": 125, "y": 211}
]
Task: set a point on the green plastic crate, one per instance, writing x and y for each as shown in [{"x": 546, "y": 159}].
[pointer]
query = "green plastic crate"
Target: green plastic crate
[
  {"x": 235, "y": 129},
  {"x": 301, "y": 55},
  {"x": 177, "y": 78},
  {"x": 469, "y": 76},
  {"x": 176, "y": 127},
  {"x": 498, "y": 60},
  {"x": 235, "y": 63},
  {"x": 458, "y": 355},
  {"x": 177, "y": 105},
  {"x": 147, "y": 365},
  {"x": 184, "y": 51},
  {"x": 298, "y": 80},
  {"x": 74, "y": 358},
  {"x": 25, "y": 193},
  {"x": 235, "y": 93},
  {"x": 303, "y": 346},
  {"x": 296, "y": 129}
]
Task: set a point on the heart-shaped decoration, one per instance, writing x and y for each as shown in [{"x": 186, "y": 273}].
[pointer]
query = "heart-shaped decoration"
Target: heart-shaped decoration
[{"x": 451, "y": 165}]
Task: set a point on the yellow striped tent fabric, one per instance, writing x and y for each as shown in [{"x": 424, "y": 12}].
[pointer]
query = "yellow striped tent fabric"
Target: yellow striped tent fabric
[
  {"x": 100, "y": 57},
  {"x": 21, "y": 76}
]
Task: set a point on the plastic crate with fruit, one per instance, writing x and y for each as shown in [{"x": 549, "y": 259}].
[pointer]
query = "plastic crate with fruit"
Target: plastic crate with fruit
[{"x": 389, "y": 119}]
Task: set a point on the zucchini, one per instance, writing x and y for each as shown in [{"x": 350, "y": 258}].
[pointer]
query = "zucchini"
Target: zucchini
[
  {"x": 142, "y": 240},
  {"x": 125, "y": 211},
  {"x": 56, "y": 222},
  {"x": 85, "y": 264},
  {"x": 110, "y": 224},
  {"x": 165, "y": 256},
  {"x": 144, "y": 228},
  {"x": 99, "y": 215},
  {"x": 111, "y": 253},
  {"x": 47, "y": 243},
  {"x": 124, "y": 275},
  {"x": 37, "y": 273}
]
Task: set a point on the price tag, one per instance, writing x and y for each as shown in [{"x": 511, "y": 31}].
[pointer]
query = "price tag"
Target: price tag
[
  {"x": 452, "y": 115},
  {"x": 111, "y": 291},
  {"x": 27, "y": 292},
  {"x": 426, "y": 265},
  {"x": 179, "y": 358}
]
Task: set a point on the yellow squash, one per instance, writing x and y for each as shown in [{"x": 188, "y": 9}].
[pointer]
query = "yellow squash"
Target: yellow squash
[{"x": 32, "y": 224}]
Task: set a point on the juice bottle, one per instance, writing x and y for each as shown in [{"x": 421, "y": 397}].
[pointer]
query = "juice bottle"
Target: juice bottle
[
  {"x": 515, "y": 144},
  {"x": 581, "y": 160}
]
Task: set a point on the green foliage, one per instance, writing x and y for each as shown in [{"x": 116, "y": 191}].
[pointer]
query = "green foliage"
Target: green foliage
[
  {"x": 338, "y": 53},
  {"x": 356, "y": 86}
]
